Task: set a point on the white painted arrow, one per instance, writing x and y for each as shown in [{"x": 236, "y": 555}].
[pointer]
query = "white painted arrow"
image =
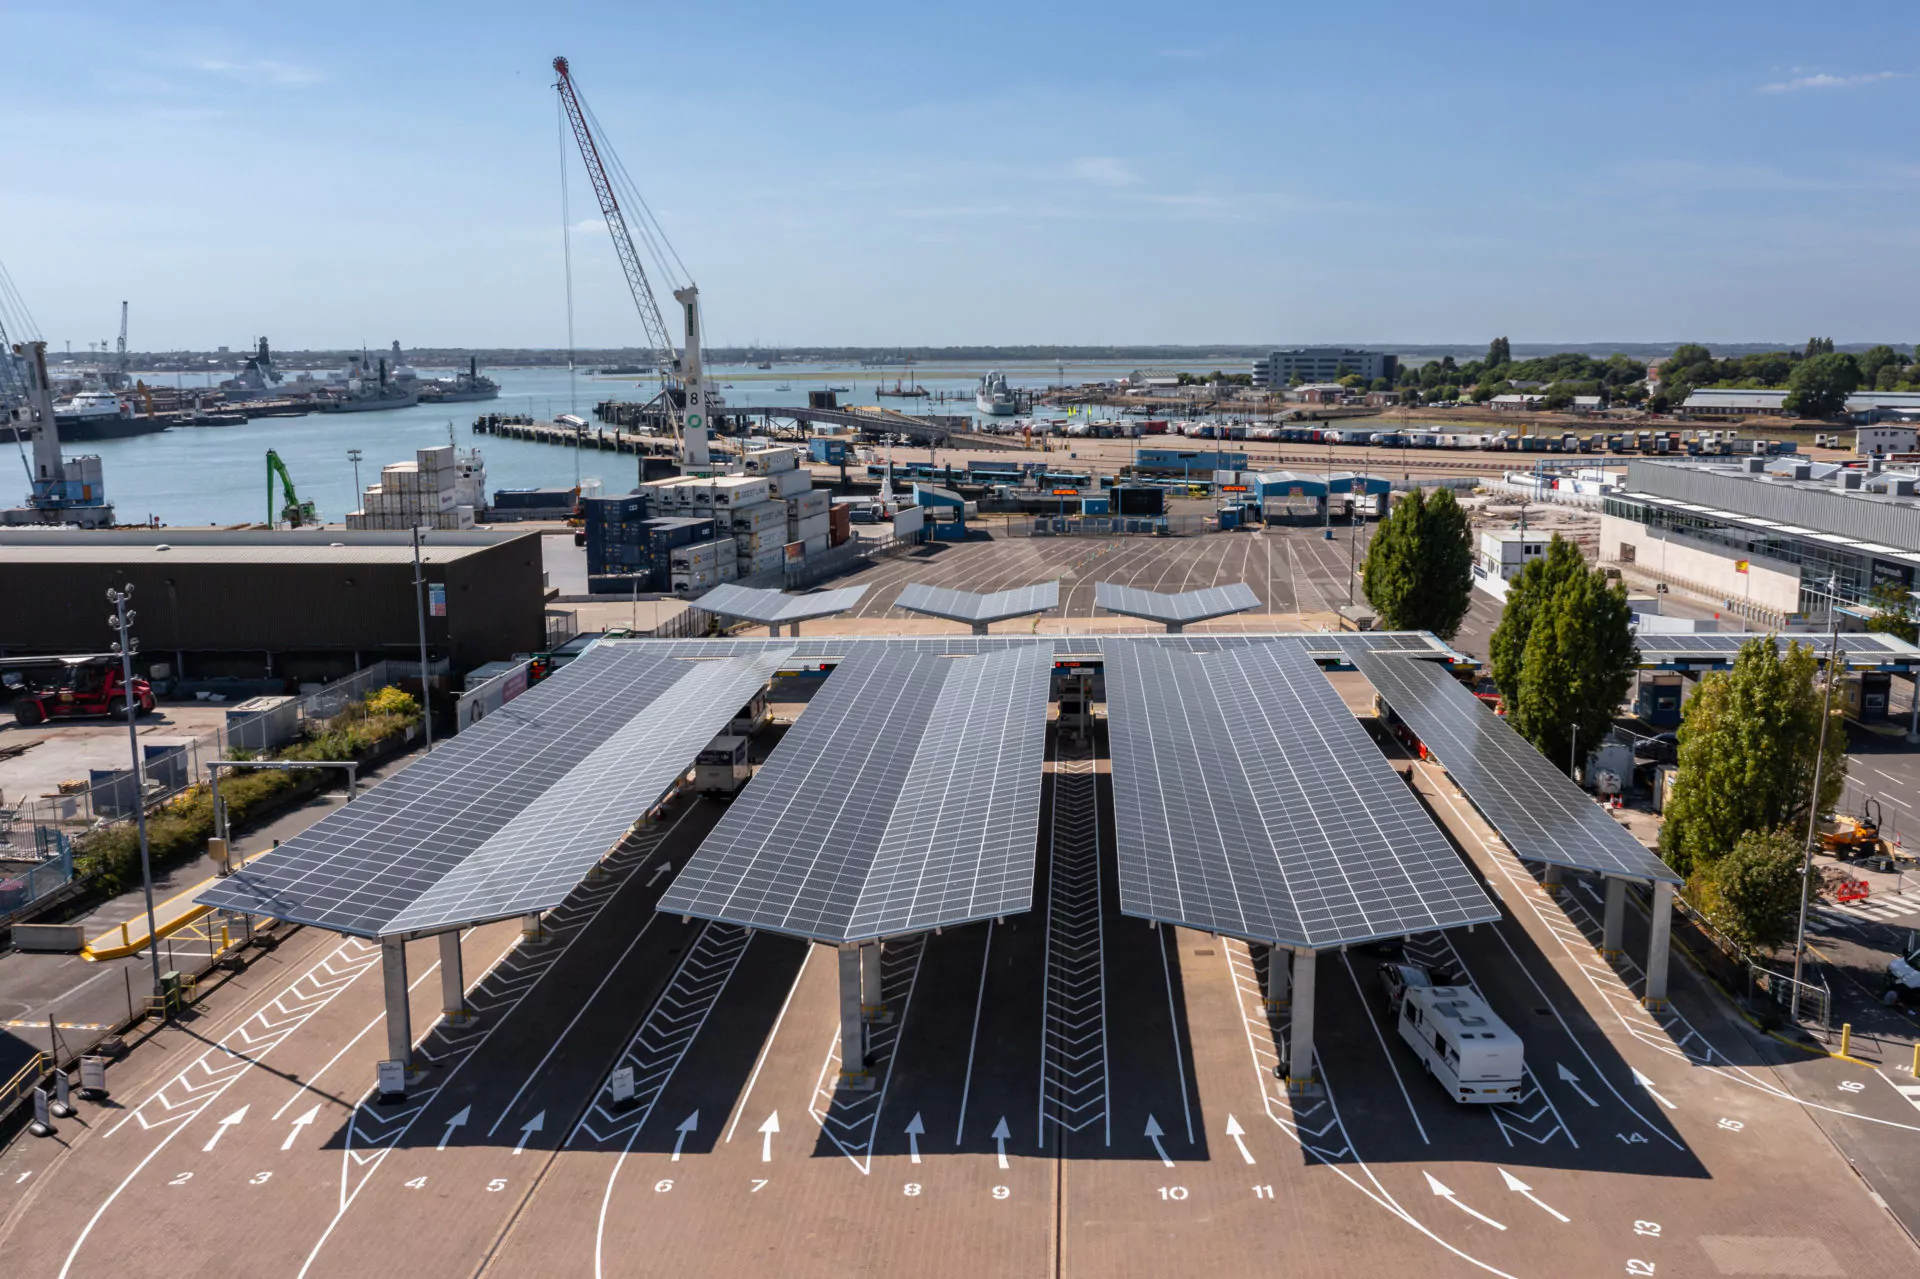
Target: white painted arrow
[
  {"x": 300, "y": 1123},
  {"x": 1000, "y": 1134},
  {"x": 453, "y": 1122},
  {"x": 687, "y": 1125},
  {"x": 529, "y": 1128},
  {"x": 1154, "y": 1134},
  {"x": 1235, "y": 1131},
  {"x": 1449, "y": 1196},
  {"x": 225, "y": 1124},
  {"x": 1520, "y": 1187},
  {"x": 1572, "y": 1080},
  {"x": 1647, "y": 1084},
  {"x": 658, "y": 871},
  {"x": 914, "y": 1129},
  {"x": 767, "y": 1130}
]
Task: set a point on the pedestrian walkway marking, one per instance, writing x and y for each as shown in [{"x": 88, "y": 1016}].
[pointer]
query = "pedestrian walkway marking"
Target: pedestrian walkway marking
[{"x": 1875, "y": 910}]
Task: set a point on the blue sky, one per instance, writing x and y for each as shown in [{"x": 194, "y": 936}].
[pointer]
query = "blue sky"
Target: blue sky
[{"x": 886, "y": 173}]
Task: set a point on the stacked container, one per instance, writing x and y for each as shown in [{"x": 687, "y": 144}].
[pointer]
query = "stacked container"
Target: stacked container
[
  {"x": 616, "y": 529},
  {"x": 420, "y": 493}
]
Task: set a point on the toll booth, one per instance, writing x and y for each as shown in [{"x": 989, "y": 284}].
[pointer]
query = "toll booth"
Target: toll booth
[
  {"x": 1867, "y": 695},
  {"x": 945, "y": 512},
  {"x": 1659, "y": 697}
]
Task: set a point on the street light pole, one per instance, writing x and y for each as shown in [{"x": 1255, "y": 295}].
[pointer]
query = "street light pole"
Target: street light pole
[
  {"x": 121, "y": 621},
  {"x": 1573, "y": 755},
  {"x": 1353, "y": 539},
  {"x": 420, "y": 608},
  {"x": 354, "y": 456},
  {"x": 1813, "y": 800}
]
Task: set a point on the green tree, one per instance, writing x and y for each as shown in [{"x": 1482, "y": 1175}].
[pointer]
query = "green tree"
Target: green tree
[
  {"x": 1419, "y": 572},
  {"x": 1527, "y": 594},
  {"x": 1874, "y": 359},
  {"x": 1350, "y": 380},
  {"x": 1577, "y": 666},
  {"x": 1380, "y": 384},
  {"x": 1499, "y": 351},
  {"x": 1819, "y": 346},
  {"x": 1893, "y": 612},
  {"x": 1559, "y": 396},
  {"x": 1753, "y": 893},
  {"x": 1748, "y": 741},
  {"x": 1821, "y": 384}
]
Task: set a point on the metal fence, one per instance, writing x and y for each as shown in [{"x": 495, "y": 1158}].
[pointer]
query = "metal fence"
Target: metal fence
[
  {"x": 1816, "y": 1001},
  {"x": 1113, "y": 526},
  {"x": 562, "y": 625}
]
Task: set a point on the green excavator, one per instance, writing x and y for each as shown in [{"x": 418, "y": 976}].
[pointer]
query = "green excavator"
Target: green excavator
[{"x": 294, "y": 513}]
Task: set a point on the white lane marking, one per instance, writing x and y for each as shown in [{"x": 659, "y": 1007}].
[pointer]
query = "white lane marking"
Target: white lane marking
[
  {"x": 1167, "y": 938},
  {"x": 973, "y": 1039},
  {"x": 1520, "y": 1187},
  {"x": 1447, "y": 1194},
  {"x": 767, "y": 1130},
  {"x": 687, "y": 1125},
  {"x": 224, "y": 1124},
  {"x": 1572, "y": 1081},
  {"x": 293, "y": 1133},
  {"x": 1153, "y": 1135},
  {"x": 1000, "y": 1134},
  {"x": 527, "y": 1130},
  {"x": 767, "y": 1047},
  {"x": 658, "y": 871},
  {"x": 1235, "y": 1131},
  {"x": 455, "y": 1120},
  {"x": 1647, "y": 1084},
  {"x": 914, "y": 1128},
  {"x": 306, "y": 1085},
  {"x": 1384, "y": 1050}
]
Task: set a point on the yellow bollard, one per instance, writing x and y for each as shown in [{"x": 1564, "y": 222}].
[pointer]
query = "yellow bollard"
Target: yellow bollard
[
  {"x": 1914, "y": 1070},
  {"x": 124, "y": 939},
  {"x": 1846, "y": 1039}
]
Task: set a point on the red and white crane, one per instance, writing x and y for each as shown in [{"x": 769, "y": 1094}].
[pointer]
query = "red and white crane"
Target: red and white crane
[{"x": 609, "y": 182}]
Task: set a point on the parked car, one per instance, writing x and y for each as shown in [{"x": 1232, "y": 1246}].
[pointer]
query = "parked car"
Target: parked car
[{"x": 1397, "y": 978}]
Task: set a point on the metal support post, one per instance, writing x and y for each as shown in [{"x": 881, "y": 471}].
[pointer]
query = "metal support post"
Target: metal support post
[
  {"x": 794, "y": 630},
  {"x": 1550, "y": 882},
  {"x": 1300, "y": 1050},
  {"x": 1279, "y": 977},
  {"x": 393, "y": 972},
  {"x": 453, "y": 979},
  {"x": 773, "y": 629},
  {"x": 979, "y": 628},
  {"x": 873, "y": 1004},
  {"x": 1175, "y": 628},
  {"x": 853, "y": 1030},
  {"x": 1913, "y": 725},
  {"x": 1655, "y": 997},
  {"x": 531, "y": 931},
  {"x": 1613, "y": 919}
]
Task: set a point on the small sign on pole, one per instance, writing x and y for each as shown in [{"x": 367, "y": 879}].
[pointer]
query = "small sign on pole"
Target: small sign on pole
[
  {"x": 61, "y": 1106},
  {"x": 622, "y": 1086},
  {"x": 93, "y": 1077},
  {"x": 392, "y": 1078},
  {"x": 42, "y": 1117}
]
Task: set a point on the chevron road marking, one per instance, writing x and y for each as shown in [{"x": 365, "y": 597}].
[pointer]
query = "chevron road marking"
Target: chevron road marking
[{"x": 1073, "y": 1066}]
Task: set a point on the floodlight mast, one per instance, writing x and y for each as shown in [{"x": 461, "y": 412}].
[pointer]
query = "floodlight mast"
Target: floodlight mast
[{"x": 686, "y": 368}]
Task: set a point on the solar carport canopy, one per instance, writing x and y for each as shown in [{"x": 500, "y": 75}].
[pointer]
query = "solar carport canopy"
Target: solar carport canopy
[
  {"x": 906, "y": 798},
  {"x": 506, "y": 818},
  {"x": 1179, "y": 610},
  {"x": 1249, "y": 801},
  {"x": 774, "y": 607},
  {"x": 1536, "y": 808},
  {"x": 970, "y": 606}
]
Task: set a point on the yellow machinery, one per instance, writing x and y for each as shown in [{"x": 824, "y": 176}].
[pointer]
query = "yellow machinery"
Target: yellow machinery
[{"x": 1855, "y": 836}]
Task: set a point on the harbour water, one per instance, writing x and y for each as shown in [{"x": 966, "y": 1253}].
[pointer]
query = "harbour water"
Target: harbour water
[{"x": 217, "y": 474}]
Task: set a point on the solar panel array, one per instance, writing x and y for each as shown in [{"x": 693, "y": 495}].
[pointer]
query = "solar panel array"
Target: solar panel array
[
  {"x": 756, "y": 604},
  {"x": 1248, "y": 801},
  {"x": 970, "y": 606},
  {"x": 1536, "y": 808},
  {"x": 906, "y": 798},
  {"x": 537, "y": 858},
  {"x": 361, "y": 867},
  {"x": 1328, "y": 644},
  {"x": 1181, "y": 609},
  {"x": 1722, "y": 644}
]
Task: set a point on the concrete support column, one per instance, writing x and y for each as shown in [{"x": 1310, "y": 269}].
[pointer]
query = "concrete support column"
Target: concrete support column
[
  {"x": 1279, "y": 977},
  {"x": 853, "y": 1030},
  {"x": 1913, "y": 724},
  {"x": 873, "y": 1004},
  {"x": 773, "y": 629},
  {"x": 1553, "y": 879},
  {"x": 453, "y": 978},
  {"x": 1300, "y": 1049},
  {"x": 531, "y": 929},
  {"x": 1175, "y": 628},
  {"x": 393, "y": 973},
  {"x": 794, "y": 630},
  {"x": 1657, "y": 946},
  {"x": 979, "y": 628},
  {"x": 1613, "y": 918}
]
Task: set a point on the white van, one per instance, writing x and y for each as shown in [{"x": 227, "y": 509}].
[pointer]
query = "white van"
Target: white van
[{"x": 1469, "y": 1050}]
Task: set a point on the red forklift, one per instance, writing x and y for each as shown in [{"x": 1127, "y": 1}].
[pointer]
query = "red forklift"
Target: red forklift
[{"x": 87, "y": 687}]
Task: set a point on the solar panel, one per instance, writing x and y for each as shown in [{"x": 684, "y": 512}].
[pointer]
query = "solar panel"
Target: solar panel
[
  {"x": 773, "y": 607},
  {"x": 1536, "y": 808},
  {"x": 358, "y": 869},
  {"x": 1719, "y": 644},
  {"x": 969, "y": 606},
  {"x": 538, "y": 857},
  {"x": 905, "y": 798},
  {"x": 1330, "y": 645},
  {"x": 1176, "y": 610},
  {"x": 1249, "y": 801}
]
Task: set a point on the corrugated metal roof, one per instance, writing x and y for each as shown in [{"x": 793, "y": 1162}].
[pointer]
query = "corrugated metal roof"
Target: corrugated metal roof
[
  {"x": 1855, "y": 514},
  {"x": 25, "y": 551}
]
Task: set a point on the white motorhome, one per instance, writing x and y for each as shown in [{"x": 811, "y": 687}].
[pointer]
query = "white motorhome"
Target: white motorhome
[{"x": 1473, "y": 1054}]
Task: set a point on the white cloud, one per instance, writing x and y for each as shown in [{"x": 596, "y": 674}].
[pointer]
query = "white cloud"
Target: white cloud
[
  {"x": 1103, "y": 170},
  {"x": 261, "y": 71},
  {"x": 1825, "y": 81}
]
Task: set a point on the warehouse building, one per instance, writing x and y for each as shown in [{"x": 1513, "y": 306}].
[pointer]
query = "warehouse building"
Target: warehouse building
[
  {"x": 1763, "y": 538},
  {"x": 298, "y": 605}
]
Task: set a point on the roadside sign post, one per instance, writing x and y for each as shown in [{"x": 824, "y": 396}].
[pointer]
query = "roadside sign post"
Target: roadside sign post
[
  {"x": 62, "y": 1108},
  {"x": 622, "y": 1086},
  {"x": 42, "y": 1125},
  {"x": 93, "y": 1077},
  {"x": 392, "y": 1077}
]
